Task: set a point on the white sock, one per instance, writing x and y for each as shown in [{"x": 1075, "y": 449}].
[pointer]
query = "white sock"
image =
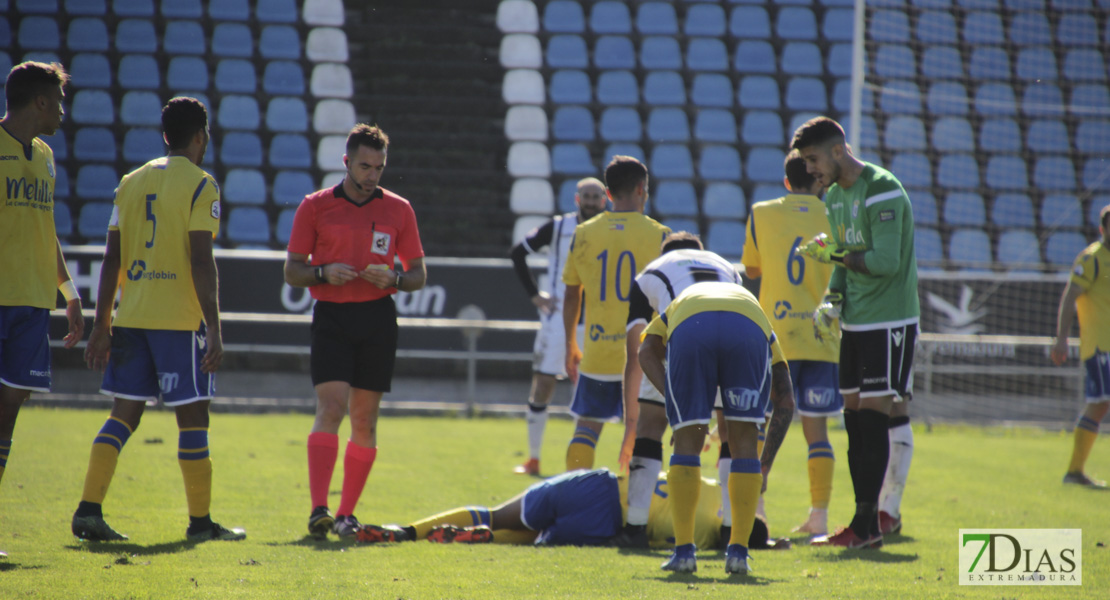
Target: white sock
[
  {"x": 537, "y": 422},
  {"x": 724, "y": 465},
  {"x": 897, "y": 470},
  {"x": 643, "y": 473}
]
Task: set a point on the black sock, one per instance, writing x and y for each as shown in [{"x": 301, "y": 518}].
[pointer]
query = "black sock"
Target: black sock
[
  {"x": 648, "y": 448},
  {"x": 726, "y": 452},
  {"x": 866, "y": 520},
  {"x": 855, "y": 444},
  {"x": 874, "y": 430},
  {"x": 410, "y": 531},
  {"x": 89, "y": 509},
  {"x": 198, "y": 524},
  {"x": 899, "y": 421}
]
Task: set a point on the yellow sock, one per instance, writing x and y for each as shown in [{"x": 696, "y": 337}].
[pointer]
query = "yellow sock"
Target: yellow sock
[
  {"x": 581, "y": 451},
  {"x": 1086, "y": 432},
  {"x": 684, "y": 486},
  {"x": 743, "y": 492},
  {"x": 821, "y": 463},
  {"x": 106, "y": 447},
  {"x": 464, "y": 516},
  {"x": 514, "y": 536},
  {"x": 196, "y": 469}
]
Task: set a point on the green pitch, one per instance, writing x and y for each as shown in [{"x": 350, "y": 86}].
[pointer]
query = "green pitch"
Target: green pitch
[{"x": 961, "y": 477}]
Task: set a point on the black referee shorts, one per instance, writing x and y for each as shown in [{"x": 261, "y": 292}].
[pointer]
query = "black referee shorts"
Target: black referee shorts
[{"x": 355, "y": 342}]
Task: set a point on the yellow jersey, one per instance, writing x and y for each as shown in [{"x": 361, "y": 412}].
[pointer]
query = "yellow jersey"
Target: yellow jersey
[
  {"x": 28, "y": 244},
  {"x": 606, "y": 254},
  {"x": 792, "y": 285},
  {"x": 660, "y": 525},
  {"x": 156, "y": 207},
  {"x": 1092, "y": 273}
]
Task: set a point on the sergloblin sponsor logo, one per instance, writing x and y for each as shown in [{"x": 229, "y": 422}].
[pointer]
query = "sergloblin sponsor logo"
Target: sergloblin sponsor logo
[
  {"x": 1021, "y": 557},
  {"x": 597, "y": 334},
  {"x": 138, "y": 272},
  {"x": 783, "y": 310}
]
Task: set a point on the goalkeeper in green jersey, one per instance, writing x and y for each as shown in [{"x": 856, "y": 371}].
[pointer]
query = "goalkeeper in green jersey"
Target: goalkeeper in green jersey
[{"x": 873, "y": 291}]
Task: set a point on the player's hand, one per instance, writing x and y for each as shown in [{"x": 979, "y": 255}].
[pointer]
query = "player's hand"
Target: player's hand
[
  {"x": 76, "y": 323},
  {"x": 99, "y": 348},
  {"x": 214, "y": 351},
  {"x": 1060, "y": 351},
  {"x": 823, "y": 249},
  {"x": 544, "y": 302},
  {"x": 627, "y": 445},
  {"x": 574, "y": 356},
  {"x": 825, "y": 325}
]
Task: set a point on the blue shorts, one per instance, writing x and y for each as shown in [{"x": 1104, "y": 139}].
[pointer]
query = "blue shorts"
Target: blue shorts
[
  {"x": 717, "y": 349},
  {"x": 815, "y": 387},
  {"x": 597, "y": 400},
  {"x": 579, "y": 507},
  {"x": 25, "y": 348},
  {"x": 148, "y": 363},
  {"x": 1098, "y": 377}
]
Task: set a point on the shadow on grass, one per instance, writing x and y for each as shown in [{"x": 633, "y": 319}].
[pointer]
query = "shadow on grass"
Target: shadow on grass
[
  {"x": 692, "y": 580},
  {"x": 134, "y": 549},
  {"x": 867, "y": 555},
  {"x": 9, "y": 565},
  {"x": 308, "y": 541}
]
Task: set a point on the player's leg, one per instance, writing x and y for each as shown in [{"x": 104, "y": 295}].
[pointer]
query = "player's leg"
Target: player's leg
[
  {"x": 724, "y": 467},
  {"x": 359, "y": 456},
  {"x": 643, "y": 471},
  {"x": 898, "y": 469},
  {"x": 815, "y": 389},
  {"x": 595, "y": 401},
  {"x": 11, "y": 399},
  {"x": 1097, "y": 392},
  {"x": 744, "y": 483},
  {"x": 543, "y": 388},
  {"x": 24, "y": 366}
]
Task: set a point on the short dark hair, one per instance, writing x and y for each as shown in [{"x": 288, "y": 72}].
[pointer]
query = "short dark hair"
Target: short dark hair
[
  {"x": 623, "y": 174},
  {"x": 182, "y": 118},
  {"x": 679, "y": 240},
  {"x": 795, "y": 167},
  {"x": 29, "y": 80},
  {"x": 817, "y": 131},
  {"x": 371, "y": 136}
]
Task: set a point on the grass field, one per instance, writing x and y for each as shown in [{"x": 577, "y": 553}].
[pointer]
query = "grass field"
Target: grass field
[{"x": 962, "y": 477}]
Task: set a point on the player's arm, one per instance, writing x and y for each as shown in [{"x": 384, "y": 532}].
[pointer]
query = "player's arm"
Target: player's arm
[
  {"x": 413, "y": 277},
  {"x": 1065, "y": 318},
  {"x": 73, "y": 301},
  {"x": 572, "y": 309},
  {"x": 537, "y": 238},
  {"x": 202, "y": 263},
  {"x": 299, "y": 273},
  {"x": 100, "y": 338},
  {"x": 782, "y": 402},
  {"x": 750, "y": 258},
  {"x": 652, "y": 352}
]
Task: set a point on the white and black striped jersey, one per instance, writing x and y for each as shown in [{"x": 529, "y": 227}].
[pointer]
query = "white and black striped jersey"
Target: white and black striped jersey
[
  {"x": 670, "y": 274},
  {"x": 556, "y": 235}
]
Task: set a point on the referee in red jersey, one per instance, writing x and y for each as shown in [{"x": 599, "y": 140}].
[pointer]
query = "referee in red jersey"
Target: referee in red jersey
[{"x": 343, "y": 246}]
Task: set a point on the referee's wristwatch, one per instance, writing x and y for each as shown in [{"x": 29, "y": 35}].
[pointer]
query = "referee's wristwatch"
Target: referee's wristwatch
[
  {"x": 320, "y": 276},
  {"x": 400, "y": 278}
]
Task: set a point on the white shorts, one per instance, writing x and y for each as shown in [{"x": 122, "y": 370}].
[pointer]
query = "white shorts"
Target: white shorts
[{"x": 550, "y": 350}]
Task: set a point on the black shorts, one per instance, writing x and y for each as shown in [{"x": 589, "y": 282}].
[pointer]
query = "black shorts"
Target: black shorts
[
  {"x": 878, "y": 362},
  {"x": 355, "y": 342}
]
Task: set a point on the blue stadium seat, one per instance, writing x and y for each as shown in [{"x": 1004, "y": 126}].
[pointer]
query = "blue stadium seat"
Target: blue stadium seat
[
  {"x": 762, "y": 127},
  {"x": 1030, "y": 29},
  {"x": 1013, "y": 210},
  {"x": 93, "y": 107},
  {"x": 895, "y": 60},
  {"x": 570, "y": 87},
  {"x": 97, "y": 182},
  {"x": 87, "y": 34},
  {"x": 89, "y": 70},
  {"x": 573, "y": 123},
  {"x": 711, "y": 90},
  {"x": 238, "y": 112},
  {"x": 983, "y": 28},
  {"x": 953, "y": 134},
  {"x": 1036, "y": 64},
  {"x": 900, "y": 96},
  {"x": 188, "y": 73},
  {"x": 807, "y": 93},
  {"x": 838, "y": 25},
  {"x": 1077, "y": 29},
  {"x": 768, "y": 191},
  {"x": 671, "y": 161},
  {"x": 1017, "y": 5},
  {"x": 290, "y": 187},
  {"x": 1096, "y": 204},
  {"x": 1087, "y": 99},
  {"x": 989, "y": 62},
  {"x": 623, "y": 149},
  {"x": 614, "y": 52},
  {"x": 284, "y": 227},
  {"x": 675, "y": 198},
  {"x": 663, "y": 88},
  {"x": 1063, "y": 246},
  {"x": 749, "y": 22},
  {"x": 723, "y": 200},
  {"x": 63, "y": 219},
  {"x": 942, "y": 62},
  {"x": 133, "y": 8},
  {"x": 238, "y": 76},
  {"x": 572, "y": 159},
  {"x": 927, "y": 248},
  {"x": 286, "y": 114},
  {"x": 244, "y": 186},
  {"x": 682, "y": 224},
  {"x": 620, "y": 124},
  {"x": 936, "y": 27},
  {"x": 715, "y": 125},
  {"x": 1007, "y": 172},
  {"x": 279, "y": 41},
  {"x": 706, "y": 54},
  {"x": 842, "y": 97},
  {"x": 139, "y": 72},
  {"x": 1084, "y": 64},
  {"x": 277, "y": 11},
  {"x": 617, "y": 88},
  {"x": 232, "y": 40},
  {"x": 656, "y": 18},
  {"x": 93, "y": 220},
  {"x": 39, "y": 33},
  {"x": 143, "y": 144},
  {"x": 890, "y": 26},
  {"x": 141, "y": 108},
  {"x": 1000, "y": 135},
  {"x": 759, "y": 91},
  {"x": 230, "y": 10},
  {"x": 995, "y": 99},
  {"x": 1048, "y": 135},
  {"x": 904, "y": 133},
  {"x": 57, "y": 143},
  {"x": 1096, "y": 174},
  {"x": 282, "y": 77},
  {"x": 1054, "y": 173},
  {"x": 1042, "y": 99},
  {"x": 1092, "y": 136},
  {"x": 957, "y": 171},
  {"x": 970, "y": 248},
  {"x": 965, "y": 208},
  {"x": 924, "y": 205},
  {"x": 947, "y": 98},
  {"x": 182, "y": 9},
  {"x": 137, "y": 36},
  {"x": 868, "y": 135},
  {"x": 1019, "y": 249},
  {"x": 248, "y": 225},
  {"x": 96, "y": 8},
  {"x": 660, "y": 53},
  {"x": 565, "y": 200},
  {"x": 705, "y": 20},
  {"x": 183, "y": 37},
  {"x": 838, "y": 63},
  {"x": 241, "y": 148},
  {"x": 564, "y": 16},
  {"x": 726, "y": 238},
  {"x": 765, "y": 165},
  {"x": 796, "y": 23},
  {"x": 802, "y": 58},
  {"x": 1061, "y": 210},
  {"x": 755, "y": 56},
  {"x": 567, "y": 52},
  {"x": 668, "y": 125},
  {"x": 290, "y": 151}
]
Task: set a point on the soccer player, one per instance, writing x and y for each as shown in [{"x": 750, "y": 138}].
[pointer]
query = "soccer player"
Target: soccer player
[
  {"x": 714, "y": 336},
  {"x": 548, "y": 362},
  {"x": 1088, "y": 294},
  {"x": 343, "y": 247},
  {"x": 683, "y": 262},
  {"x": 873, "y": 291},
  {"x": 791, "y": 287},
  {"x": 30, "y": 254},
  {"x": 165, "y": 340},
  {"x": 605, "y": 255}
]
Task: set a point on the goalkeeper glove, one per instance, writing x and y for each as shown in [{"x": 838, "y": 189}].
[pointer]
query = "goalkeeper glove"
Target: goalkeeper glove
[
  {"x": 824, "y": 318},
  {"x": 823, "y": 249}
]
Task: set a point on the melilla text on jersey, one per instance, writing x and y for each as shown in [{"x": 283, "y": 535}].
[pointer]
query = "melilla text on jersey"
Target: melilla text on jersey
[{"x": 37, "y": 193}]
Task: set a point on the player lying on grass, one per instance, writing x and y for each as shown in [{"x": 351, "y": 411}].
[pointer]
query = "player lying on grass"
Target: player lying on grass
[{"x": 576, "y": 508}]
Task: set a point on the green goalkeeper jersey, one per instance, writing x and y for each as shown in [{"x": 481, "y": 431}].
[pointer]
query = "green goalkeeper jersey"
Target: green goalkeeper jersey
[{"x": 874, "y": 216}]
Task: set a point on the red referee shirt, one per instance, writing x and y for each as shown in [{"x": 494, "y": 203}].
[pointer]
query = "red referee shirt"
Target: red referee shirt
[{"x": 331, "y": 228}]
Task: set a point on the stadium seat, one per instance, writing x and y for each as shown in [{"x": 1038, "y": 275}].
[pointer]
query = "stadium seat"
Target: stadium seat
[
  {"x": 570, "y": 87},
  {"x": 518, "y": 16},
  {"x": 957, "y": 171},
  {"x": 142, "y": 144},
  {"x": 1087, "y": 99},
  {"x": 675, "y": 198},
  {"x": 1019, "y": 249},
  {"x": 1030, "y": 29},
  {"x": 1054, "y": 173},
  {"x": 935, "y": 27},
  {"x": 983, "y": 28},
  {"x": 330, "y": 44},
  {"x": 1096, "y": 174},
  {"x": 520, "y": 51},
  {"x": 947, "y": 98},
  {"x": 924, "y": 205},
  {"x": 1063, "y": 246},
  {"x": 970, "y": 249},
  {"x": 238, "y": 112},
  {"x": 96, "y": 8},
  {"x": 802, "y": 58},
  {"x": 572, "y": 159},
  {"x": 530, "y": 195},
  {"x": 133, "y": 8},
  {"x": 331, "y": 80},
  {"x": 895, "y": 60},
  {"x": 806, "y": 93},
  {"x": 565, "y": 199},
  {"x": 1036, "y": 64},
  {"x": 324, "y": 12},
  {"x": 283, "y": 77},
  {"x": 1095, "y": 207},
  {"x": 942, "y": 62},
  {"x": 38, "y": 33},
  {"x": 58, "y": 145},
  {"x": 88, "y": 70},
  {"x": 290, "y": 187},
  {"x": 964, "y": 208},
  {"x": 93, "y": 107},
  {"x": 706, "y": 54},
  {"x": 759, "y": 91},
  {"x": 182, "y": 9},
  {"x": 838, "y": 62},
  {"x": 93, "y": 220},
  {"x": 614, "y": 52},
  {"x": 1077, "y": 29},
  {"x": 87, "y": 34},
  {"x": 995, "y": 99},
  {"x": 240, "y": 148},
  {"x": 63, "y": 219},
  {"x": 868, "y": 133},
  {"x": 842, "y": 97},
  {"x": 661, "y": 54},
  {"x": 762, "y": 127},
  {"x": 723, "y": 200},
  {"x": 726, "y": 238},
  {"x": 248, "y": 225},
  {"x": 989, "y": 62},
  {"x": 623, "y": 149},
  {"x": 522, "y": 86},
  {"x": 904, "y": 133},
  {"x": 183, "y": 37},
  {"x": 279, "y": 42},
  {"x": 232, "y": 40},
  {"x": 620, "y": 124},
  {"x": 927, "y": 248},
  {"x": 188, "y": 73},
  {"x": 141, "y": 108},
  {"x": 1042, "y": 99},
  {"x": 244, "y": 186},
  {"x": 1013, "y": 210},
  {"x": 682, "y": 224},
  {"x": 529, "y": 159},
  {"x": 1084, "y": 64},
  {"x": 230, "y": 10},
  {"x": 711, "y": 90},
  {"x": 525, "y": 123},
  {"x": 953, "y": 134},
  {"x": 900, "y": 96},
  {"x": 1048, "y": 136},
  {"x": 755, "y": 56},
  {"x": 890, "y": 26},
  {"x": 234, "y": 75},
  {"x": 668, "y": 125},
  {"x": 137, "y": 36},
  {"x": 1092, "y": 136},
  {"x": 573, "y": 123},
  {"x": 287, "y": 114},
  {"x": 768, "y": 191},
  {"x": 796, "y": 23},
  {"x": 666, "y": 88},
  {"x": 290, "y": 151},
  {"x": 1061, "y": 210},
  {"x": 277, "y": 11},
  {"x": 719, "y": 163},
  {"x": 671, "y": 161},
  {"x": 656, "y": 18},
  {"x": 705, "y": 20},
  {"x": 838, "y": 25},
  {"x": 139, "y": 72},
  {"x": 749, "y": 22},
  {"x": 1007, "y": 172},
  {"x": 564, "y": 16},
  {"x": 567, "y": 52},
  {"x": 715, "y": 125},
  {"x": 764, "y": 165},
  {"x": 999, "y": 135},
  {"x": 97, "y": 182},
  {"x": 616, "y": 88},
  {"x": 284, "y": 227}
]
